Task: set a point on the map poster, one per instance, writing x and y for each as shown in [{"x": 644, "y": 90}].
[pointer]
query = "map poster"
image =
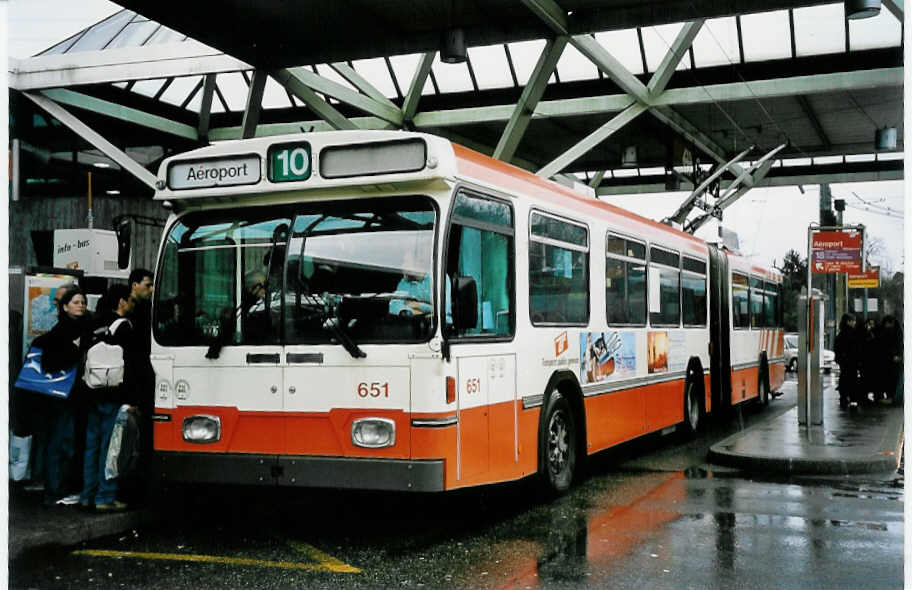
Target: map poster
[{"x": 40, "y": 315}]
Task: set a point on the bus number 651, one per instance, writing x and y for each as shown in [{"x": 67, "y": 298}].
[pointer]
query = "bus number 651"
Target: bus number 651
[{"x": 374, "y": 389}]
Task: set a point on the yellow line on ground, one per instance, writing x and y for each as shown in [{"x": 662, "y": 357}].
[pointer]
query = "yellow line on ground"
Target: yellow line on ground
[
  {"x": 221, "y": 560},
  {"x": 330, "y": 562}
]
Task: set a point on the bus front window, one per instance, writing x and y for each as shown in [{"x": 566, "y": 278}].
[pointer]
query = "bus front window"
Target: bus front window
[
  {"x": 336, "y": 271},
  {"x": 363, "y": 268}
]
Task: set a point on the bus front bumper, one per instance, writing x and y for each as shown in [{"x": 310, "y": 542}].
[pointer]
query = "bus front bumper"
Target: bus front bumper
[{"x": 314, "y": 472}]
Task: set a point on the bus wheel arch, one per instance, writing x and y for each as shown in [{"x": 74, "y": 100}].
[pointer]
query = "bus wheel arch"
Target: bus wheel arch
[
  {"x": 561, "y": 433},
  {"x": 694, "y": 398}
]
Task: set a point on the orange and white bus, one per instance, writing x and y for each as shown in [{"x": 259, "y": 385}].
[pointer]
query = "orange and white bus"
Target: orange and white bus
[{"x": 388, "y": 310}]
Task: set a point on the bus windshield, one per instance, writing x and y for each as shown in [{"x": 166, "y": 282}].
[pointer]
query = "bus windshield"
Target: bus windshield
[{"x": 316, "y": 273}]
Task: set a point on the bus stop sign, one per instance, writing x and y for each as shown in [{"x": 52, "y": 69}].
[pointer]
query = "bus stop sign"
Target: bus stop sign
[{"x": 836, "y": 252}]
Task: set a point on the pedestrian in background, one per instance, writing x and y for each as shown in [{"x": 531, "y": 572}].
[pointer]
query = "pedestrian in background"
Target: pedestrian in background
[
  {"x": 890, "y": 353},
  {"x": 870, "y": 381},
  {"x": 62, "y": 348},
  {"x": 848, "y": 358},
  {"x": 98, "y": 492}
]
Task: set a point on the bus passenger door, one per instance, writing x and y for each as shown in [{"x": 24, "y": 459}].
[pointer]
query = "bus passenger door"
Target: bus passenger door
[{"x": 486, "y": 397}]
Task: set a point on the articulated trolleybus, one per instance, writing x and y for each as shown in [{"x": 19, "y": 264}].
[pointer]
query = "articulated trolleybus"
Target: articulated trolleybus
[{"x": 388, "y": 310}]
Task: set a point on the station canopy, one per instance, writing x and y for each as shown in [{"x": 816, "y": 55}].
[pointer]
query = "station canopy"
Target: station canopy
[{"x": 624, "y": 97}]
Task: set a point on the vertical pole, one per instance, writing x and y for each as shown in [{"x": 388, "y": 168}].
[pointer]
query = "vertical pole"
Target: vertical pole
[
  {"x": 14, "y": 170},
  {"x": 90, "y": 219}
]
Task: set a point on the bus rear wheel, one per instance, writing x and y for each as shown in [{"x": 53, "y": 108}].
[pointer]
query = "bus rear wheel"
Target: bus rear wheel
[
  {"x": 558, "y": 445},
  {"x": 692, "y": 413}
]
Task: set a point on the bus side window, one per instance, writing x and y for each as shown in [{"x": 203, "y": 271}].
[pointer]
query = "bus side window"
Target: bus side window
[{"x": 481, "y": 249}]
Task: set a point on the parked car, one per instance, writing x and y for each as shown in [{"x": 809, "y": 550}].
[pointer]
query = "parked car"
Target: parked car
[{"x": 827, "y": 360}]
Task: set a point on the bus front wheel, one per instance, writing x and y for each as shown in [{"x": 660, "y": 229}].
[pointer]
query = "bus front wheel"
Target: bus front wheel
[{"x": 558, "y": 445}]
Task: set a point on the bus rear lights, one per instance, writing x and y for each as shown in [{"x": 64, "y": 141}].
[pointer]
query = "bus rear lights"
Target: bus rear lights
[
  {"x": 450, "y": 390},
  {"x": 373, "y": 433},
  {"x": 202, "y": 429}
]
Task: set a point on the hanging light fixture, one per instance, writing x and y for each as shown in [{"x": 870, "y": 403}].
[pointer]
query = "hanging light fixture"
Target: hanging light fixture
[
  {"x": 885, "y": 139},
  {"x": 453, "y": 47},
  {"x": 629, "y": 158},
  {"x": 855, "y": 9}
]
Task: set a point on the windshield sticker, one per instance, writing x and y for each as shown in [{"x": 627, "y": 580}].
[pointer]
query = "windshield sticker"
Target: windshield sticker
[{"x": 607, "y": 356}]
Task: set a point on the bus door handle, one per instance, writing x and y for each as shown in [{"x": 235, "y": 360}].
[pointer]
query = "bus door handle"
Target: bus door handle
[{"x": 272, "y": 359}]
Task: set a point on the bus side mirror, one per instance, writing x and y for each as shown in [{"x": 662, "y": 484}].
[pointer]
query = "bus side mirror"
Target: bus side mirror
[
  {"x": 465, "y": 308},
  {"x": 124, "y": 232}
]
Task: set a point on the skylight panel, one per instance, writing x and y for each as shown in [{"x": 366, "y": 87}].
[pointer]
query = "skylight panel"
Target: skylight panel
[
  {"x": 573, "y": 66},
  {"x": 452, "y": 77},
  {"x": 147, "y": 87},
  {"x": 181, "y": 88},
  {"x": 717, "y": 43},
  {"x": 234, "y": 88},
  {"x": 491, "y": 67},
  {"x": 525, "y": 56},
  {"x": 274, "y": 95},
  {"x": 766, "y": 36},
  {"x": 624, "y": 46},
  {"x": 374, "y": 71},
  {"x": 882, "y": 30},
  {"x": 819, "y": 30},
  {"x": 657, "y": 42},
  {"x": 165, "y": 35},
  {"x": 134, "y": 34},
  {"x": 101, "y": 34},
  {"x": 405, "y": 66}
]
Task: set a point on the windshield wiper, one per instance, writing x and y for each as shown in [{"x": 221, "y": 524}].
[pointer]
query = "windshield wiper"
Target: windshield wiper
[{"x": 329, "y": 315}]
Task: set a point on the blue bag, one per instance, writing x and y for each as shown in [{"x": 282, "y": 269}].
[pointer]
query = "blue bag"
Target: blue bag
[{"x": 32, "y": 378}]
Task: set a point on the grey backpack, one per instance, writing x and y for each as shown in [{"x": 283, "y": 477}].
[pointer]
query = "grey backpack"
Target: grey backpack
[{"x": 104, "y": 366}]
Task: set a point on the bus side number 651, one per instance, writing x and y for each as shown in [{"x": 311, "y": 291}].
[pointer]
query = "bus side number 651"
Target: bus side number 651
[{"x": 374, "y": 389}]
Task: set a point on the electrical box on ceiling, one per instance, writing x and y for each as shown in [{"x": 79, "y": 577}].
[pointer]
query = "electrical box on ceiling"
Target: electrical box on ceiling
[{"x": 93, "y": 251}]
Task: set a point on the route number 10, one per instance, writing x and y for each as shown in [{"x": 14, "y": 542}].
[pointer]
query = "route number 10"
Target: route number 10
[{"x": 289, "y": 162}]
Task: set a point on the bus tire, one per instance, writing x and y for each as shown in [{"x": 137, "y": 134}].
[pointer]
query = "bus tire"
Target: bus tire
[
  {"x": 558, "y": 445},
  {"x": 763, "y": 387},
  {"x": 693, "y": 412}
]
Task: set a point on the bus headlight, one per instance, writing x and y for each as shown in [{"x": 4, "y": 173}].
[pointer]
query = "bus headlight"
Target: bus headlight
[
  {"x": 373, "y": 433},
  {"x": 202, "y": 429}
]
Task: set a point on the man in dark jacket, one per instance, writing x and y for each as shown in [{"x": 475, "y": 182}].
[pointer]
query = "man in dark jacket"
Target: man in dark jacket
[
  {"x": 141, "y": 282},
  {"x": 103, "y": 403}
]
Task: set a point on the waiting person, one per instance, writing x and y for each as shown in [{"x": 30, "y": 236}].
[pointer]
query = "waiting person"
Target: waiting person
[
  {"x": 62, "y": 348},
  {"x": 99, "y": 493},
  {"x": 848, "y": 359},
  {"x": 141, "y": 282},
  {"x": 890, "y": 353},
  {"x": 870, "y": 380}
]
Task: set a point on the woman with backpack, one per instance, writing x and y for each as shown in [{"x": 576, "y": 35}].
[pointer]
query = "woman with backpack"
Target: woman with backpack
[
  {"x": 62, "y": 348},
  {"x": 106, "y": 390}
]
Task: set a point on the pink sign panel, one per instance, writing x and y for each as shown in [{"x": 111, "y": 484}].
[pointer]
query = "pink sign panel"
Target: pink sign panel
[{"x": 835, "y": 252}]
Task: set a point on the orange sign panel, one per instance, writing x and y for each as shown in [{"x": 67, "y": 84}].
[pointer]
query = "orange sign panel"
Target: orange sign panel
[{"x": 869, "y": 279}]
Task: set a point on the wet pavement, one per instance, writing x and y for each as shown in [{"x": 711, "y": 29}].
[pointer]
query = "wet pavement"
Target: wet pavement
[{"x": 659, "y": 516}]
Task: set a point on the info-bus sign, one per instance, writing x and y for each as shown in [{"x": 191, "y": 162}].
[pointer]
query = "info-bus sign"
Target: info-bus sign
[{"x": 836, "y": 252}]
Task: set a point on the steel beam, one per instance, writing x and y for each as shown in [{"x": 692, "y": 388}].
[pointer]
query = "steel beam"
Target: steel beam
[
  {"x": 896, "y": 7},
  {"x": 322, "y": 108},
  {"x": 673, "y": 57},
  {"x": 254, "y": 104},
  {"x": 335, "y": 90},
  {"x": 94, "y": 138},
  {"x": 116, "y": 111},
  {"x": 410, "y": 104},
  {"x": 206, "y": 107},
  {"x": 815, "y": 122},
  {"x": 120, "y": 65},
  {"x": 606, "y": 62},
  {"x": 597, "y": 179},
  {"x": 356, "y": 80},
  {"x": 592, "y": 140},
  {"x": 528, "y": 101}
]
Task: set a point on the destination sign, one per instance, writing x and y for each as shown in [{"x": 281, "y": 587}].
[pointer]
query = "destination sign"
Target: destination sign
[
  {"x": 870, "y": 279},
  {"x": 836, "y": 252},
  {"x": 211, "y": 173}
]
